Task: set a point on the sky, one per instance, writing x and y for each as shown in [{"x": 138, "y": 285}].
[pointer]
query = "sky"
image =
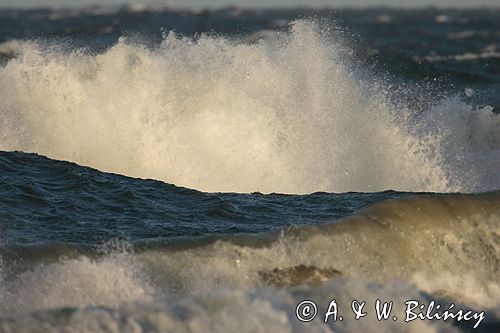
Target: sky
[{"x": 255, "y": 3}]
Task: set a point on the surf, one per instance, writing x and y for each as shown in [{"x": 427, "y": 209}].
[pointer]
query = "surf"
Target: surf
[
  {"x": 286, "y": 114},
  {"x": 446, "y": 244}
]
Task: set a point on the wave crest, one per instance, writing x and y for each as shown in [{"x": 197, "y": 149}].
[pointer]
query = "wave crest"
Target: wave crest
[{"x": 282, "y": 115}]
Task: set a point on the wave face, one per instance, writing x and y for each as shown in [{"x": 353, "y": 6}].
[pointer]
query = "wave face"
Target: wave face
[
  {"x": 194, "y": 261},
  {"x": 59, "y": 220},
  {"x": 286, "y": 114}
]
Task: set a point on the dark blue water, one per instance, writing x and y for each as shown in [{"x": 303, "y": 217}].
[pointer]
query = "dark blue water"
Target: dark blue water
[{"x": 65, "y": 202}]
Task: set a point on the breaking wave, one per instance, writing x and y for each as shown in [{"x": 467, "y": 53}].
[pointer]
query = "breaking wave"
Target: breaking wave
[{"x": 285, "y": 114}]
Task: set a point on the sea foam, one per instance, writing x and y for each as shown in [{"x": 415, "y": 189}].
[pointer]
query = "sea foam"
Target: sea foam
[{"x": 288, "y": 114}]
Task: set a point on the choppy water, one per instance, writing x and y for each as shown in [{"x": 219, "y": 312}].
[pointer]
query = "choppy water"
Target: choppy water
[{"x": 368, "y": 122}]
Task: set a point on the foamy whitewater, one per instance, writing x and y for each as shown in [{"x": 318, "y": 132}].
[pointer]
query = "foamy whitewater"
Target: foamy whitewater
[
  {"x": 124, "y": 168},
  {"x": 285, "y": 115}
]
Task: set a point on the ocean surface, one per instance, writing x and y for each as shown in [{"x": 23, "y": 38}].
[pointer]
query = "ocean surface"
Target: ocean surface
[{"x": 168, "y": 170}]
